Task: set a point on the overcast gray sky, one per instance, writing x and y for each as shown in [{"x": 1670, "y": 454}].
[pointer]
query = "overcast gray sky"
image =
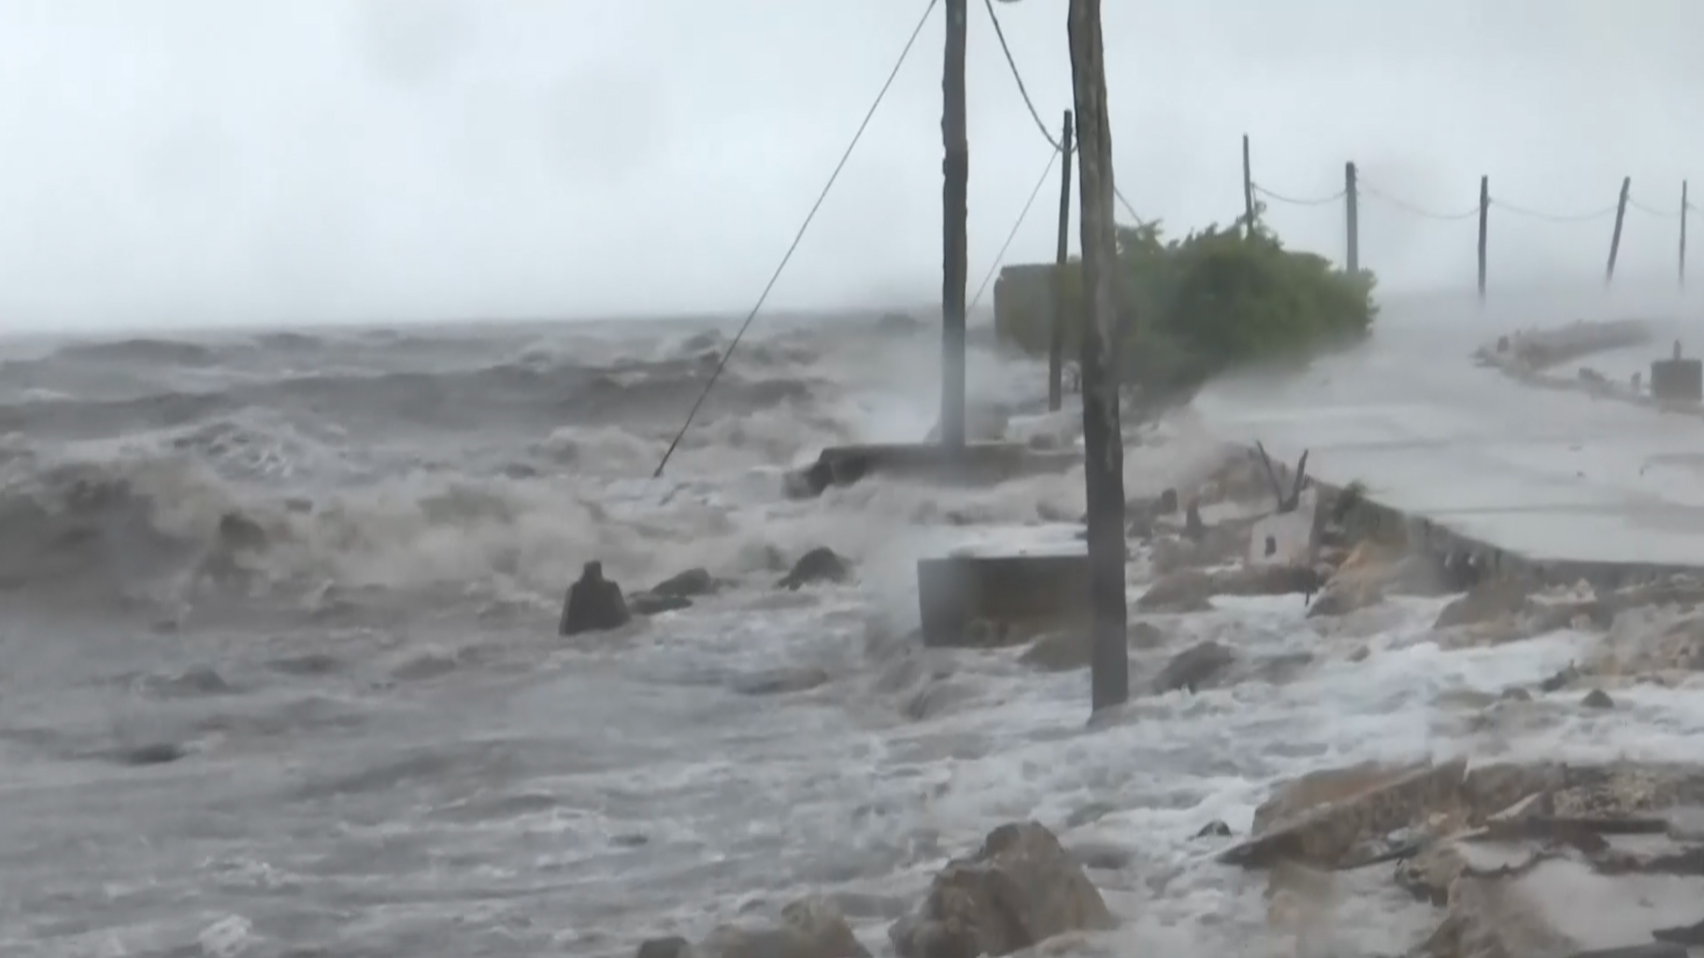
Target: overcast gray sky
[{"x": 196, "y": 161}]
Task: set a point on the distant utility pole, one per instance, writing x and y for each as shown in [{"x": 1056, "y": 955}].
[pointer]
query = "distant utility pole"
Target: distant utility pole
[
  {"x": 955, "y": 168},
  {"x": 1103, "y": 444}
]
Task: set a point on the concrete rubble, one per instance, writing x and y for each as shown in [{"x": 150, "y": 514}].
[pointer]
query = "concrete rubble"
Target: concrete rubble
[{"x": 1536, "y": 859}]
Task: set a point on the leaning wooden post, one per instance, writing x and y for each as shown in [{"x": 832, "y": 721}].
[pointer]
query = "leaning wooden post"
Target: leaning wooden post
[
  {"x": 955, "y": 168},
  {"x": 1484, "y": 221},
  {"x": 1248, "y": 191},
  {"x": 1061, "y": 299},
  {"x": 1615, "y": 237},
  {"x": 1352, "y": 218},
  {"x": 1103, "y": 444}
]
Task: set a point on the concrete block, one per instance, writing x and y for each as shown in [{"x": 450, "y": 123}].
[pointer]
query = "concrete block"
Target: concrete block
[
  {"x": 1013, "y": 590},
  {"x": 1677, "y": 380},
  {"x": 1285, "y": 538}
]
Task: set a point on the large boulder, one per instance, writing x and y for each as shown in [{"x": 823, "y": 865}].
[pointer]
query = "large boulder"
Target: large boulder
[
  {"x": 1491, "y": 599},
  {"x": 594, "y": 604},
  {"x": 1195, "y": 668},
  {"x": 821, "y": 564},
  {"x": 1021, "y": 888},
  {"x": 687, "y": 585}
]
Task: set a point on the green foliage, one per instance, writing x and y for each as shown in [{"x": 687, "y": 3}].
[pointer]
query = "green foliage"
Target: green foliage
[{"x": 1189, "y": 309}]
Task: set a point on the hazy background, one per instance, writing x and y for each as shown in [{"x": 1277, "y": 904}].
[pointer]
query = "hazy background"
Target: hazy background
[{"x": 203, "y": 161}]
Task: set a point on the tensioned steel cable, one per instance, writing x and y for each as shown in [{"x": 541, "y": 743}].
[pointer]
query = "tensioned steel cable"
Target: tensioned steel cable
[
  {"x": 1000, "y": 257},
  {"x": 1293, "y": 201},
  {"x": 1035, "y": 115},
  {"x": 797, "y": 238}
]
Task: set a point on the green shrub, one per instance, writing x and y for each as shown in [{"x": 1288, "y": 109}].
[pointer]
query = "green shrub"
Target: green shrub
[{"x": 1191, "y": 308}]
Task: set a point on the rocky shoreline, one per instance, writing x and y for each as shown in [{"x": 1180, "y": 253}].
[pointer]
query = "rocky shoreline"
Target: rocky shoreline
[
  {"x": 1497, "y": 854},
  {"x": 1500, "y": 852}
]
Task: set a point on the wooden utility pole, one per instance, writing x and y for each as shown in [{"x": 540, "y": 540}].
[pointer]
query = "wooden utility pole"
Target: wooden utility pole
[
  {"x": 1484, "y": 221},
  {"x": 1685, "y": 210},
  {"x": 1061, "y": 303},
  {"x": 1615, "y": 237},
  {"x": 1103, "y": 444},
  {"x": 955, "y": 168},
  {"x": 1352, "y": 218},
  {"x": 1248, "y": 190}
]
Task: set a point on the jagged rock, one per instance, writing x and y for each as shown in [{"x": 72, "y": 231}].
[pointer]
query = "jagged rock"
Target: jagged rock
[
  {"x": 1021, "y": 888},
  {"x": 1361, "y": 580},
  {"x": 651, "y": 603},
  {"x": 821, "y": 564},
  {"x": 1490, "y": 599},
  {"x": 810, "y": 928},
  {"x": 594, "y": 604},
  {"x": 1356, "y": 816},
  {"x": 781, "y": 681},
  {"x": 1597, "y": 699},
  {"x": 687, "y": 585},
  {"x": 1214, "y": 829},
  {"x": 1194, "y": 668}
]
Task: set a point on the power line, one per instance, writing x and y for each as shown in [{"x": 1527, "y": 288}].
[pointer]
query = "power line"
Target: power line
[
  {"x": 1321, "y": 201},
  {"x": 798, "y": 237},
  {"x": 1408, "y": 207},
  {"x": 1555, "y": 217},
  {"x": 1000, "y": 257},
  {"x": 1046, "y": 134},
  {"x": 1653, "y": 211}
]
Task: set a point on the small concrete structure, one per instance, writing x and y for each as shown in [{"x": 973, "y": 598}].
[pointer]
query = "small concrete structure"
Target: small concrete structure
[
  {"x": 1677, "y": 380},
  {"x": 1285, "y": 538},
  {"x": 976, "y": 463},
  {"x": 1035, "y": 590}
]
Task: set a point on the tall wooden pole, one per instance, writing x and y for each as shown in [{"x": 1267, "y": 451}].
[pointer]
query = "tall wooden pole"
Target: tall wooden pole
[
  {"x": 1103, "y": 444},
  {"x": 1352, "y": 218},
  {"x": 955, "y": 169},
  {"x": 1248, "y": 190},
  {"x": 1061, "y": 301},
  {"x": 1615, "y": 237},
  {"x": 1484, "y": 229}
]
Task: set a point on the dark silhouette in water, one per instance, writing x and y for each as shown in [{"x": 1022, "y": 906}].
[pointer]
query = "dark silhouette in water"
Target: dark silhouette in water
[{"x": 594, "y": 604}]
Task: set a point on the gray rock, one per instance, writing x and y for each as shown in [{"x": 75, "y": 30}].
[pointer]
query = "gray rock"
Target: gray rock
[
  {"x": 687, "y": 585},
  {"x": 594, "y": 604},
  {"x": 821, "y": 564},
  {"x": 1194, "y": 668},
  {"x": 1020, "y": 889}
]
